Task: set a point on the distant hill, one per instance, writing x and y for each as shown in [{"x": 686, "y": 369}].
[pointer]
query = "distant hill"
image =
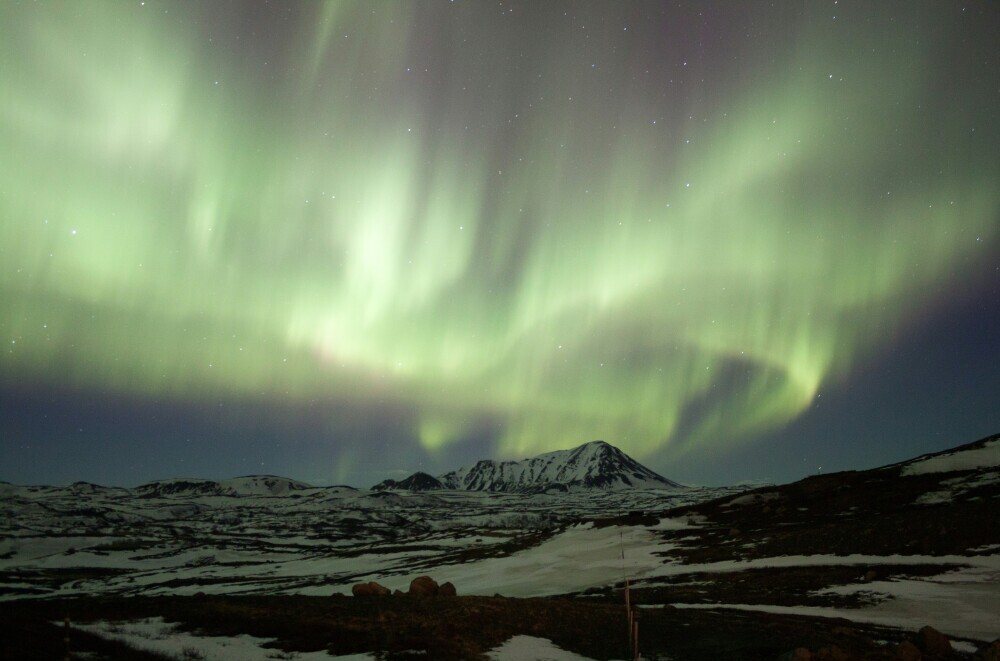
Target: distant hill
[
  {"x": 937, "y": 504},
  {"x": 417, "y": 482},
  {"x": 250, "y": 485},
  {"x": 595, "y": 465},
  {"x": 982, "y": 454}
]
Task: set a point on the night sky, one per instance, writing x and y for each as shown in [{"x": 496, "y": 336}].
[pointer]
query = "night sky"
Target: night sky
[{"x": 342, "y": 242}]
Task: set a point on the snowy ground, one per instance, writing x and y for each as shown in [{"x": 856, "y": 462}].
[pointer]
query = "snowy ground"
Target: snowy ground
[
  {"x": 314, "y": 541},
  {"x": 155, "y": 635},
  {"x": 961, "y": 603},
  {"x": 964, "y": 603},
  {"x": 86, "y": 540},
  {"x": 529, "y": 648}
]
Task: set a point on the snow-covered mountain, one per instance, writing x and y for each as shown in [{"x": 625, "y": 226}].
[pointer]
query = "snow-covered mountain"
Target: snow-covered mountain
[{"x": 595, "y": 465}]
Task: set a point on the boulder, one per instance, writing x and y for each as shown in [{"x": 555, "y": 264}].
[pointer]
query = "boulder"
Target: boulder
[
  {"x": 907, "y": 651},
  {"x": 797, "y": 654},
  {"x": 423, "y": 586},
  {"x": 989, "y": 652},
  {"x": 447, "y": 589},
  {"x": 398, "y": 593},
  {"x": 371, "y": 589},
  {"x": 932, "y": 641},
  {"x": 831, "y": 653}
]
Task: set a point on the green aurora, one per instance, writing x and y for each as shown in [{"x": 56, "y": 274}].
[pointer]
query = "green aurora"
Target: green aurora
[{"x": 559, "y": 226}]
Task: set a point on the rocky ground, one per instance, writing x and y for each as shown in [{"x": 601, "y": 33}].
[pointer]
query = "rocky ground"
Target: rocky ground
[{"x": 446, "y": 628}]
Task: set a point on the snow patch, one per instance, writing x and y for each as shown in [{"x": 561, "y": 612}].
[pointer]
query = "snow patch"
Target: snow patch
[
  {"x": 963, "y": 603},
  {"x": 957, "y": 486},
  {"x": 156, "y": 635},
  {"x": 581, "y": 558},
  {"x": 986, "y": 456},
  {"x": 529, "y": 648},
  {"x": 752, "y": 499}
]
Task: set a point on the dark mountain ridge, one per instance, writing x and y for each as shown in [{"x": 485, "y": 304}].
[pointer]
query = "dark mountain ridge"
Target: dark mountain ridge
[
  {"x": 936, "y": 504},
  {"x": 419, "y": 481}
]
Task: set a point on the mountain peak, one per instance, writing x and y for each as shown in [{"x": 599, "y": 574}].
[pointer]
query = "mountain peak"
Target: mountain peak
[
  {"x": 593, "y": 465},
  {"x": 419, "y": 481}
]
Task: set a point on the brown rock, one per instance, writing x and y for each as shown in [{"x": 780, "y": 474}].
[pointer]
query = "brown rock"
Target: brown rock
[
  {"x": 735, "y": 532},
  {"x": 831, "y": 653},
  {"x": 398, "y": 593},
  {"x": 989, "y": 652},
  {"x": 423, "y": 585},
  {"x": 932, "y": 641},
  {"x": 907, "y": 651},
  {"x": 371, "y": 589},
  {"x": 447, "y": 589},
  {"x": 870, "y": 575},
  {"x": 797, "y": 654}
]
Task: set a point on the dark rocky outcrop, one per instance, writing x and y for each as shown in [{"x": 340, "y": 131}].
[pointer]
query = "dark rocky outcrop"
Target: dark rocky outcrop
[
  {"x": 907, "y": 651},
  {"x": 932, "y": 641},
  {"x": 371, "y": 589},
  {"x": 423, "y": 586}
]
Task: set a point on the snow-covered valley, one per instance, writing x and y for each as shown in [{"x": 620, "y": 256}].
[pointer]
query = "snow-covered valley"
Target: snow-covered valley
[{"x": 86, "y": 539}]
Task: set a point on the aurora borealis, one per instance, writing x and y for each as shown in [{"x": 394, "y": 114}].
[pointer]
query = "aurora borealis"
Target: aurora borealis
[{"x": 332, "y": 240}]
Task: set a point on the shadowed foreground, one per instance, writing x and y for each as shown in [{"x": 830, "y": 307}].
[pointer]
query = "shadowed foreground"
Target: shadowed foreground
[{"x": 446, "y": 628}]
